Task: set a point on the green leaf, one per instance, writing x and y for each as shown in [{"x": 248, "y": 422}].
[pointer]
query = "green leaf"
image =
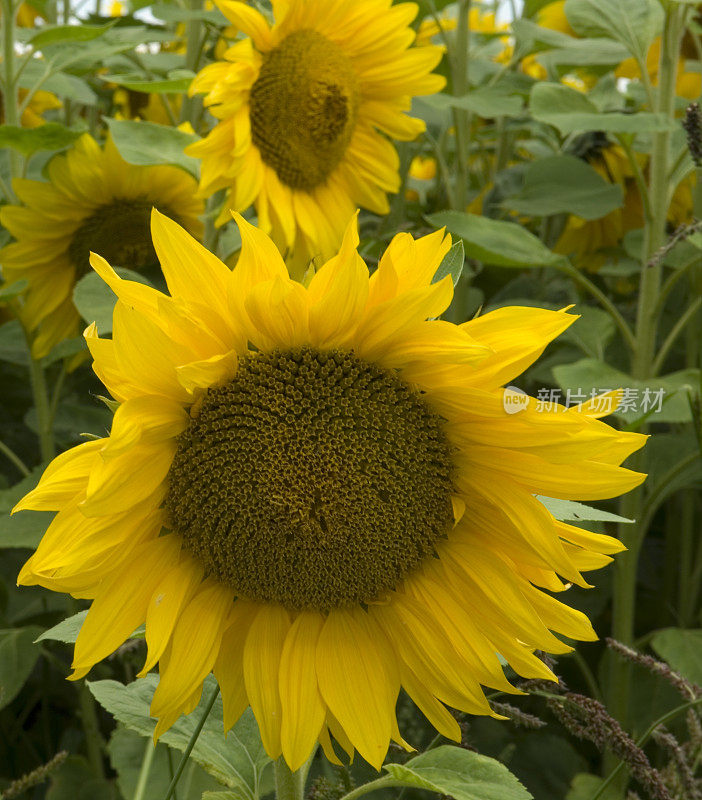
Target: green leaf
[
  {"x": 65, "y": 349},
  {"x": 175, "y": 13},
  {"x": 565, "y": 185},
  {"x": 95, "y": 300},
  {"x": 12, "y": 290},
  {"x": 682, "y": 650},
  {"x": 13, "y": 345},
  {"x": 504, "y": 244},
  {"x": 451, "y": 264},
  {"x": 460, "y": 774},
  {"x": 238, "y": 761},
  {"x": 485, "y": 101},
  {"x": 570, "y": 511},
  {"x": 584, "y": 787},
  {"x": 55, "y": 34},
  {"x": 67, "y": 630},
  {"x": 583, "y": 377},
  {"x": 24, "y": 529},
  {"x": 126, "y": 751},
  {"x": 592, "y": 332},
  {"x": 634, "y": 23},
  {"x": 18, "y": 654},
  {"x": 570, "y": 111},
  {"x": 178, "y": 81},
  {"x": 65, "y": 86},
  {"x": 148, "y": 143}
]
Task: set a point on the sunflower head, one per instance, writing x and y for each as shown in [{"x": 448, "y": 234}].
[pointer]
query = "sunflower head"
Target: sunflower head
[
  {"x": 94, "y": 201},
  {"x": 316, "y": 492},
  {"x": 306, "y": 106}
]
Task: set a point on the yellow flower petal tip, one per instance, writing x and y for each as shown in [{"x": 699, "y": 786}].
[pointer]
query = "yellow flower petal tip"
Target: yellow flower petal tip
[{"x": 340, "y": 426}]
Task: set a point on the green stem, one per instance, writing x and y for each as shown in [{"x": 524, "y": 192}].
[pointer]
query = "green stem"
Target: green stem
[
  {"x": 624, "y": 594},
  {"x": 192, "y": 106},
  {"x": 145, "y": 771},
  {"x": 10, "y": 100},
  {"x": 289, "y": 785},
  {"x": 607, "y": 304},
  {"x": 677, "y": 329},
  {"x": 14, "y": 458},
  {"x": 188, "y": 750},
  {"x": 93, "y": 740},
  {"x": 638, "y": 177},
  {"x": 461, "y": 117},
  {"x": 641, "y": 741},
  {"x": 386, "y": 782},
  {"x": 41, "y": 404}
]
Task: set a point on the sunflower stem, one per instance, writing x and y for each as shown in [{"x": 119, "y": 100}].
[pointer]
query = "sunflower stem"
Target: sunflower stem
[
  {"x": 386, "y": 782},
  {"x": 41, "y": 404},
  {"x": 624, "y": 596},
  {"x": 189, "y": 749},
  {"x": 14, "y": 458},
  {"x": 461, "y": 118},
  {"x": 145, "y": 771},
  {"x": 289, "y": 785},
  {"x": 93, "y": 740},
  {"x": 9, "y": 93}
]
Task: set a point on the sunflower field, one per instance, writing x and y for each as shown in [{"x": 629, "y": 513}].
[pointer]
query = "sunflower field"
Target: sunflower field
[{"x": 350, "y": 399}]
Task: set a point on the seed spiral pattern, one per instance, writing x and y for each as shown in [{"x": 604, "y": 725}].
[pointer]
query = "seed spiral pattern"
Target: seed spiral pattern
[
  {"x": 118, "y": 231},
  {"x": 303, "y": 108},
  {"x": 312, "y": 479}
]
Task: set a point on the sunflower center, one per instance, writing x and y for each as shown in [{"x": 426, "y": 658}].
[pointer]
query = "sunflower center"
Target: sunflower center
[
  {"x": 312, "y": 479},
  {"x": 119, "y": 232},
  {"x": 303, "y": 108}
]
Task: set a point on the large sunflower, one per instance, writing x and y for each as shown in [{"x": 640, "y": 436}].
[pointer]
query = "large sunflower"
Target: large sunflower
[
  {"x": 315, "y": 491},
  {"x": 306, "y": 107},
  {"x": 94, "y": 200}
]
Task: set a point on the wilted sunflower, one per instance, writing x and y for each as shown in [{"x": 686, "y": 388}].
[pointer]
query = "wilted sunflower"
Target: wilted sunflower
[
  {"x": 316, "y": 492},
  {"x": 94, "y": 200},
  {"x": 306, "y": 108}
]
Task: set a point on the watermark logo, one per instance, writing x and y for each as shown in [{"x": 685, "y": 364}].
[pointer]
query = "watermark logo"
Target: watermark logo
[
  {"x": 514, "y": 400},
  {"x": 597, "y": 401}
]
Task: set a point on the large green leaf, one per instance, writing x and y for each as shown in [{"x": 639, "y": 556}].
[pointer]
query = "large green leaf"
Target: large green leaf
[
  {"x": 634, "y": 23},
  {"x": 485, "y": 101},
  {"x": 565, "y": 185},
  {"x": 147, "y": 143},
  {"x": 24, "y": 529},
  {"x": 54, "y": 34},
  {"x": 460, "y": 774},
  {"x": 451, "y": 264},
  {"x": 50, "y": 136},
  {"x": 177, "y": 81},
  {"x": 18, "y": 654},
  {"x": 570, "y": 111},
  {"x": 682, "y": 649},
  {"x": 504, "y": 244},
  {"x": 239, "y": 760}
]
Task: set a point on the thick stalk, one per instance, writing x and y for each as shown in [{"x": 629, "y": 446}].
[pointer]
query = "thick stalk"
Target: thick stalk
[
  {"x": 461, "y": 118},
  {"x": 192, "y": 106},
  {"x": 41, "y": 404},
  {"x": 10, "y": 104},
  {"x": 289, "y": 785},
  {"x": 624, "y": 595},
  {"x": 145, "y": 771}
]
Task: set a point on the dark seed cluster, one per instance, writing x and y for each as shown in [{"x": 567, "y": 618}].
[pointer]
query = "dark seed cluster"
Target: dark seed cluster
[
  {"x": 119, "y": 232},
  {"x": 303, "y": 108},
  {"x": 312, "y": 479}
]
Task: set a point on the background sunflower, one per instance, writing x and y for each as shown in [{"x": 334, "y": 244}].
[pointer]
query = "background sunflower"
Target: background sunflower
[{"x": 307, "y": 107}]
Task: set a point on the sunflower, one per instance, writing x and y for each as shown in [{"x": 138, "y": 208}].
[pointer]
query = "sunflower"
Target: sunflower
[
  {"x": 94, "y": 200},
  {"x": 306, "y": 107},
  {"x": 316, "y": 492}
]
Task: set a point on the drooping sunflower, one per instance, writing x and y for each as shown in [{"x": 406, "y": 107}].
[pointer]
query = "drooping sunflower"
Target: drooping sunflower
[
  {"x": 316, "y": 492},
  {"x": 307, "y": 108},
  {"x": 94, "y": 201}
]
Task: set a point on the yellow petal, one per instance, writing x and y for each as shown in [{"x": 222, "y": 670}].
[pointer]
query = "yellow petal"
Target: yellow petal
[
  {"x": 302, "y": 706},
  {"x": 65, "y": 476},
  {"x": 209, "y": 372},
  {"x": 279, "y": 311},
  {"x": 262, "y": 654},
  {"x": 358, "y": 679},
  {"x": 229, "y": 666}
]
